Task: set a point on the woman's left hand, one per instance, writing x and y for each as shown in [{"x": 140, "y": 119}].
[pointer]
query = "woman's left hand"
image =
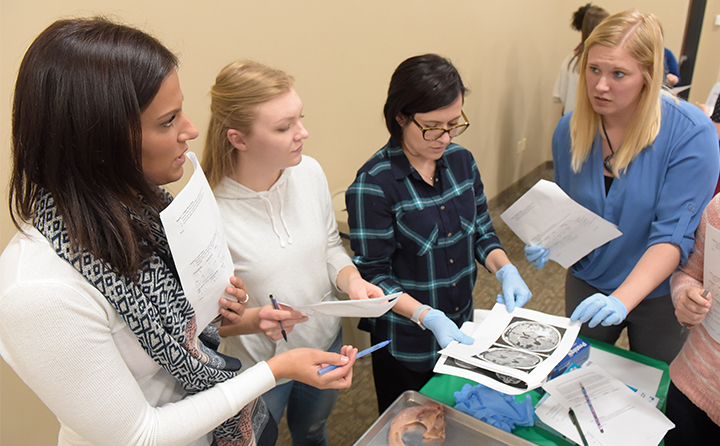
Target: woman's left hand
[
  {"x": 230, "y": 310},
  {"x": 600, "y": 309},
  {"x": 515, "y": 291}
]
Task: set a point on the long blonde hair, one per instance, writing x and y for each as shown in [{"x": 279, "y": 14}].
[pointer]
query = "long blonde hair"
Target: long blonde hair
[
  {"x": 641, "y": 36},
  {"x": 239, "y": 88}
]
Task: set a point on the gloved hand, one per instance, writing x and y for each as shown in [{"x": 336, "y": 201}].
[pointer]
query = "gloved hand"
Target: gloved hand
[
  {"x": 600, "y": 308},
  {"x": 444, "y": 329},
  {"x": 537, "y": 255},
  {"x": 515, "y": 292}
]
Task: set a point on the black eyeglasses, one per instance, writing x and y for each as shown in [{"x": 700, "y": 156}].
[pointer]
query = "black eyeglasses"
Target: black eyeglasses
[{"x": 433, "y": 133}]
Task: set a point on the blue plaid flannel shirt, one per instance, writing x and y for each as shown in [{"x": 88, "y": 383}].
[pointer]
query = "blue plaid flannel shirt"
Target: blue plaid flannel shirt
[{"x": 420, "y": 239}]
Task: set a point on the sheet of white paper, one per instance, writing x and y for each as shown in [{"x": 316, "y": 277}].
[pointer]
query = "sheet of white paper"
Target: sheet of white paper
[
  {"x": 374, "y": 307},
  {"x": 713, "y": 95},
  {"x": 711, "y": 276},
  {"x": 546, "y": 216},
  {"x": 624, "y": 416},
  {"x": 677, "y": 90},
  {"x": 632, "y": 373},
  {"x": 554, "y": 415},
  {"x": 524, "y": 344},
  {"x": 197, "y": 241},
  {"x": 479, "y": 315}
]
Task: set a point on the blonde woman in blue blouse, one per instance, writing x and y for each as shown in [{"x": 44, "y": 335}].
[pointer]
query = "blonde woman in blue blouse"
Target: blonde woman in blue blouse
[{"x": 644, "y": 161}]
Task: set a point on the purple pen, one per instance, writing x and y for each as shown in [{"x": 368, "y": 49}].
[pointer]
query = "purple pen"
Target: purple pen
[{"x": 592, "y": 409}]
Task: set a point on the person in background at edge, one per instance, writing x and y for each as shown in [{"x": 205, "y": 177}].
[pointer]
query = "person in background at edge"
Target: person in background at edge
[
  {"x": 97, "y": 126},
  {"x": 693, "y": 400},
  {"x": 585, "y": 19},
  {"x": 418, "y": 221},
  {"x": 626, "y": 153},
  {"x": 672, "y": 71},
  {"x": 281, "y": 231}
]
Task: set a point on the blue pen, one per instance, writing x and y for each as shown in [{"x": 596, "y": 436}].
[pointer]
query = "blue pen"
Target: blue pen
[
  {"x": 378, "y": 346},
  {"x": 277, "y": 307}
]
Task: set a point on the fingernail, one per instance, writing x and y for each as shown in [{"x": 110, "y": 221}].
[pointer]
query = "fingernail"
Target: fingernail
[{"x": 344, "y": 359}]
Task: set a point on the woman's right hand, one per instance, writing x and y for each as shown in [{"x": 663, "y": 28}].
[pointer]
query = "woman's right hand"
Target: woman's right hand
[
  {"x": 270, "y": 318},
  {"x": 691, "y": 308},
  {"x": 537, "y": 255},
  {"x": 444, "y": 329},
  {"x": 303, "y": 364}
]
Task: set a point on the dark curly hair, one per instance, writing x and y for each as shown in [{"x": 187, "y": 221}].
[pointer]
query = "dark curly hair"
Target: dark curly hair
[{"x": 578, "y": 16}]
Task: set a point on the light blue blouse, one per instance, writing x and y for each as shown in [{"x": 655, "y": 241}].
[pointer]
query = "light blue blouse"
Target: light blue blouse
[{"x": 659, "y": 199}]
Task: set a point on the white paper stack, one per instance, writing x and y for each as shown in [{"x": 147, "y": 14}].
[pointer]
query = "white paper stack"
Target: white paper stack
[{"x": 621, "y": 415}]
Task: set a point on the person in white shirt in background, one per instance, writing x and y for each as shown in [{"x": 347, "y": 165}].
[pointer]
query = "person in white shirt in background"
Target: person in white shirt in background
[
  {"x": 92, "y": 315},
  {"x": 585, "y": 19}
]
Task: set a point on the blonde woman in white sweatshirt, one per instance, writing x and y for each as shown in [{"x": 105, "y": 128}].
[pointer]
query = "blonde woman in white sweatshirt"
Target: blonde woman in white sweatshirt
[{"x": 281, "y": 231}]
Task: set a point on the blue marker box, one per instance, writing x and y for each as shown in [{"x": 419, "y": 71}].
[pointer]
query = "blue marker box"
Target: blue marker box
[{"x": 577, "y": 355}]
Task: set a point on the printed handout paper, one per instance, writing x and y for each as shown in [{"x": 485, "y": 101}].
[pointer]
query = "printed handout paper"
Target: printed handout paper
[
  {"x": 197, "y": 241},
  {"x": 711, "y": 279},
  {"x": 548, "y": 217},
  {"x": 374, "y": 307},
  {"x": 623, "y": 415}
]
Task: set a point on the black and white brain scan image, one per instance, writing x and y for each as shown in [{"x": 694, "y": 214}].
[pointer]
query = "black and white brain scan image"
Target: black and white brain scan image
[
  {"x": 532, "y": 336},
  {"x": 511, "y": 358}
]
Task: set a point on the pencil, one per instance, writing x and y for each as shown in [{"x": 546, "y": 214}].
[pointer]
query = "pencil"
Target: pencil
[
  {"x": 592, "y": 409},
  {"x": 277, "y": 307}
]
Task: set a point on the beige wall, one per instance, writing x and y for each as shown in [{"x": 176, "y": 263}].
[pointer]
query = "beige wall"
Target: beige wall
[
  {"x": 342, "y": 54},
  {"x": 708, "y": 57}
]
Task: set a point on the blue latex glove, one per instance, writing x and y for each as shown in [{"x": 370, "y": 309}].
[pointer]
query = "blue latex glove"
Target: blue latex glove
[
  {"x": 515, "y": 292},
  {"x": 600, "y": 309},
  {"x": 444, "y": 329},
  {"x": 537, "y": 255},
  {"x": 493, "y": 407}
]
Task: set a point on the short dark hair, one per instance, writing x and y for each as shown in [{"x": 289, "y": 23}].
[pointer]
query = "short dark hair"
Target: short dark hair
[
  {"x": 421, "y": 84},
  {"x": 76, "y": 132}
]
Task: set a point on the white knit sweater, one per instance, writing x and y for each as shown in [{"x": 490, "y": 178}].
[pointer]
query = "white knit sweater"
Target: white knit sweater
[
  {"x": 67, "y": 343},
  {"x": 284, "y": 242}
]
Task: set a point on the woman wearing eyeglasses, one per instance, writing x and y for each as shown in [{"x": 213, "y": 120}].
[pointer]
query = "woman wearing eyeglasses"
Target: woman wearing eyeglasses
[{"x": 418, "y": 221}]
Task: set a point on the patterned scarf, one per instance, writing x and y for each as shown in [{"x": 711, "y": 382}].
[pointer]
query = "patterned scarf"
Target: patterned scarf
[{"x": 155, "y": 308}]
